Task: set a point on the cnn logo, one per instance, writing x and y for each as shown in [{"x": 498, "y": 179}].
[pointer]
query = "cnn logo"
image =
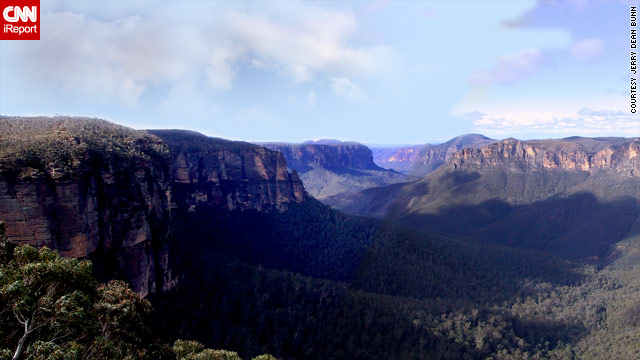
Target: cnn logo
[
  {"x": 26, "y": 13},
  {"x": 20, "y": 20}
]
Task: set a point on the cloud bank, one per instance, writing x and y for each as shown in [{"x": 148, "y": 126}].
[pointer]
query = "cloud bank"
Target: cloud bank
[
  {"x": 125, "y": 55},
  {"x": 584, "y": 121}
]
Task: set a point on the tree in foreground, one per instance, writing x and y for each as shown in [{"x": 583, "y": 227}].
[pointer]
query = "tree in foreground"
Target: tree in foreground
[
  {"x": 193, "y": 350},
  {"x": 52, "y": 308},
  {"x": 46, "y": 302}
]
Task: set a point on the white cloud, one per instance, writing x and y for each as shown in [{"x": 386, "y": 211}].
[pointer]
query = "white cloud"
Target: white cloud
[
  {"x": 611, "y": 113},
  {"x": 512, "y": 68},
  {"x": 117, "y": 59},
  {"x": 584, "y": 121},
  {"x": 343, "y": 87},
  {"x": 220, "y": 72},
  {"x": 123, "y": 55},
  {"x": 311, "y": 40},
  {"x": 586, "y": 49}
]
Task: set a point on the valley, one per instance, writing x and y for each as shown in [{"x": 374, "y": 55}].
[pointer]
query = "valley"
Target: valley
[
  {"x": 331, "y": 167},
  {"x": 503, "y": 249}
]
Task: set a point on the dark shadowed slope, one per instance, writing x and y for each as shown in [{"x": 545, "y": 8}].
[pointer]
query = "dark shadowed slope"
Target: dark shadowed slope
[{"x": 572, "y": 196}]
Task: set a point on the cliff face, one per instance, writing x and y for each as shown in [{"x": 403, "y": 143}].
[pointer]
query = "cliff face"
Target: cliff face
[
  {"x": 421, "y": 160},
  {"x": 89, "y": 189},
  {"x": 330, "y": 167},
  {"x": 340, "y": 155},
  {"x": 396, "y": 158},
  {"x": 515, "y": 155},
  {"x": 92, "y": 189},
  {"x": 234, "y": 175}
]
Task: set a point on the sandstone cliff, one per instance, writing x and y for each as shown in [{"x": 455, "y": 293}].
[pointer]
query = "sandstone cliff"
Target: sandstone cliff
[
  {"x": 575, "y": 197},
  {"x": 399, "y": 158},
  {"x": 335, "y": 155},
  {"x": 420, "y": 160},
  {"x": 575, "y": 154},
  {"x": 230, "y": 174},
  {"x": 93, "y": 189},
  {"x": 88, "y": 188},
  {"x": 330, "y": 167}
]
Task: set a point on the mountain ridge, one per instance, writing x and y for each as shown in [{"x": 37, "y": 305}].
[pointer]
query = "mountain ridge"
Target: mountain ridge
[
  {"x": 419, "y": 160},
  {"x": 330, "y": 167},
  {"x": 491, "y": 193}
]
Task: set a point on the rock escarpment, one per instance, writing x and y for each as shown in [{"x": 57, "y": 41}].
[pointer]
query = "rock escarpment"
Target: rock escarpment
[
  {"x": 617, "y": 155},
  {"x": 396, "y": 158},
  {"x": 422, "y": 159},
  {"x": 92, "y": 189},
  {"x": 88, "y": 189},
  {"x": 328, "y": 155},
  {"x": 231, "y": 174},
  {"x": 330, "y": 167}
]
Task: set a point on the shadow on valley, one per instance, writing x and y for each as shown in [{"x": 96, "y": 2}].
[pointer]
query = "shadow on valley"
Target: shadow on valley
[
  {"x": 312, "y": 282},
  {"x": 577, "y": 226}
]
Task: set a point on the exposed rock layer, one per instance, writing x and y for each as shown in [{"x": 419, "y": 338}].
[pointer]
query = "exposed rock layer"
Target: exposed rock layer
[
  {"x": 92, "y": 189},
  {"x": 420, "y": 160},
  {"x": 235, "y": 175},
  {"x": 340, "y": 155},
  {"x": 620, "y": 156},
  {"x": 330, "y": 167}
]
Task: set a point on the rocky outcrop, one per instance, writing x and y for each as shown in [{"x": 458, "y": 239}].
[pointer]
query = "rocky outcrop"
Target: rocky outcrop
[
  {"x": 400, "y": 158},
  {"x": 92, "y": 189},
  {"x": 229, "y": 174},
  {"x": 330, "y": 167},
  {"x": 422, "y": 159},
  {"x": 334, "y": 155},
  {"x": 516, "y": 155},
  {"x": 99, "y": 192}
]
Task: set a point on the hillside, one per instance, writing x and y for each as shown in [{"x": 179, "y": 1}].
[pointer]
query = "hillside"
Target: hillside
[
  {"x": 574, "y": 196},
  {"x": 330, "y": 167}
]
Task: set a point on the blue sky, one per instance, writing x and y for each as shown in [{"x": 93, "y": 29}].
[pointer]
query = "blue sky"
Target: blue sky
[{"x": 376, "y": 72}]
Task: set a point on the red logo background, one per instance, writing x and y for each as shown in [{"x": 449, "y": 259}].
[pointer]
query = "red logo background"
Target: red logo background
[{"x": 7, "y": 35}]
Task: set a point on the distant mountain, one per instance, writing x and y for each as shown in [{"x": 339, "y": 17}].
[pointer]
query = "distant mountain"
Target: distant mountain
[
  {"x": 419, "y": 160},
  {"x": 330, "y": 167},
  {"x": 573, "y": 196},
  {"x": 399, "y": 158}
]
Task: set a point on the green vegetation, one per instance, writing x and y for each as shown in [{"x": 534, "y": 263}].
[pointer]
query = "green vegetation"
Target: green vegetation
[
  {"x": 253, "y": 309},
  {"x": 321, "y": 182},
  {"x": 60, "y": 146},
  {"x": 573, "y": 214},
  {"x": 191, "y": 141},
  {"x": 315, "y": 283},
  {"x": 52, "y": 308}
]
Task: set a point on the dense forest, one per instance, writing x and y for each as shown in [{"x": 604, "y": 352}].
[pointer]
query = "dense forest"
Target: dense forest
[{"x": 322, "y": 284}]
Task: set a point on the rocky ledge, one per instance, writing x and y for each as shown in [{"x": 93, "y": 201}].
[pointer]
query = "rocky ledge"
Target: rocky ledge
[{"x": 573, "y": 154}]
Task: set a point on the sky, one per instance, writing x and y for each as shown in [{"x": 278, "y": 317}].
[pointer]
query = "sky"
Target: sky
[{"x": 377, "y": 72}]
